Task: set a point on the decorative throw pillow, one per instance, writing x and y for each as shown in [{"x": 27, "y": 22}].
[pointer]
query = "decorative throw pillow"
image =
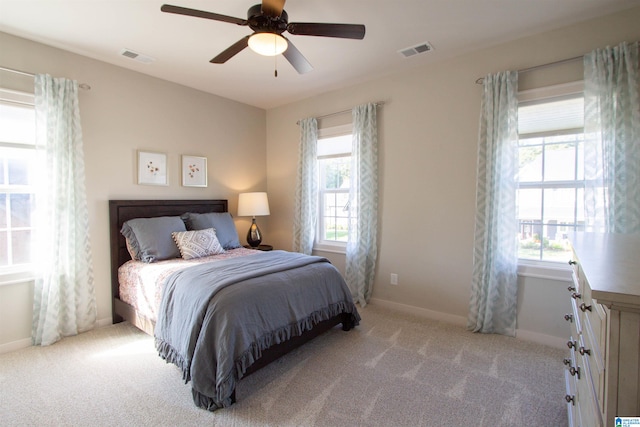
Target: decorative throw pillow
[
  {"x": 221, "y": 221},
  {"x": 197, "y": 243},
  {"x": 149, "y": 239}
]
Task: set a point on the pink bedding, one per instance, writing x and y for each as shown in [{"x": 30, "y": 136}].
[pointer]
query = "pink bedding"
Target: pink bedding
[{"x": 141, "y": 283}]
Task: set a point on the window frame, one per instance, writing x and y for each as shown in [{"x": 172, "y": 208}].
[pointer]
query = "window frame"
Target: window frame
[
  {"x": 547, "y": 269},
  {"x": 319, "y": 244},
  {"x": 18, "y": 273}
]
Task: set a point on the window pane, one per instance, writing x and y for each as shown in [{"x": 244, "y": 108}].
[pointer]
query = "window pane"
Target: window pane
[
  {"x": 530, "y": 164},
  {"x": 3, "y": 211},
  {"x": 529, "y": 239},
  {"x": 17, "y": 124},
  {"x": 580, "y": 207},
  {"x": 530, "y": 204},
  {"x": 580, "y": 148},
  {"x": 560, "y": 162},
  {"x": 342, "y": 229},
  {"x": 334, "y": 173},
  {"x": 18, "y": 171},
  {"x": 21, "y": 244},
  {"x": 20, "y": 210},
  {"x": 336, "y": 216},
  {"x": 4, "y": 252},
  {"x": 559, "y": 205},
  {"x": 557, "y": 249}
]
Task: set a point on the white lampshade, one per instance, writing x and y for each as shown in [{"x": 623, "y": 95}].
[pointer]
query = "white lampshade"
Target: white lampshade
[
  {"x": 253, "y": 204},
  {"x": 268, "y": 44}
]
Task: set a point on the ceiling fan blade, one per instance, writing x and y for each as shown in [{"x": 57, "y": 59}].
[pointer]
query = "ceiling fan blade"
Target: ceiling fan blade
[
  {"x": 231, "y": 51},
  {"x": 202, "y": 14},
  {"x": 295, "y": 58},
  {"x": 343, "y": 31},
  {"x": 272, "y": 8}
]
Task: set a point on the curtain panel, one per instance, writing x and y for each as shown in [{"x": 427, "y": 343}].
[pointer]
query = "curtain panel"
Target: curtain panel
[
  {"x": 306, "y": 198},
  {"x": 64, "y": 296},
  {"x": 362, "y": 244},
  {"x": 612, "y": 139},
  {"x": 494, "y": 287}
]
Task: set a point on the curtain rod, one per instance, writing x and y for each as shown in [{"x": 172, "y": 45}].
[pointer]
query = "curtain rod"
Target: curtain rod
[
  {"x": 535, "y": 67},
  {"x": 24, "y": 73},
  {"x": 377, "y": 104}
]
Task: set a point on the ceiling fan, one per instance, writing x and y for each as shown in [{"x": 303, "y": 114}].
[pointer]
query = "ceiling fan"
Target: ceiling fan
[{"x": 269, "y": 20}]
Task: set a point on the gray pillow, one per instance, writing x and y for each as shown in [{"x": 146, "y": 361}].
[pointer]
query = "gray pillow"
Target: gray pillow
[
  {"x": 221, "y": 221},
  {"x": 150, "y": 238}
]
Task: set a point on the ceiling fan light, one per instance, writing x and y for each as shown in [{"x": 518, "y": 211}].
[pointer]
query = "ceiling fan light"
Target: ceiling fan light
[{"x": 268, "y": 44}]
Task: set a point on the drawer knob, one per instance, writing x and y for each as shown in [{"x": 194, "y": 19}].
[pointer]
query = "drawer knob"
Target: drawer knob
[
  {"x": 572, "y": 262},
  {"x": 566, "y": 361},
  {"x": 575, "y": 371},
  {"x": 576, "y": 295},
  {"x": 570, "y": 399},
  {"x": 568, "y": 317},
  {"x": 571, "y": 344},
  {"x": 584, "y": 351},
  {"x": 571, "y": 288},
  {"x": 584, "y": 307}
]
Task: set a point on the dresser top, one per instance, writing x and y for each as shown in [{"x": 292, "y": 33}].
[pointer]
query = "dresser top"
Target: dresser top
[{"x": 611, "y": 264}]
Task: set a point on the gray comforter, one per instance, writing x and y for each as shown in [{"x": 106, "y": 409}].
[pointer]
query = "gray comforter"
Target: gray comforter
[{"x": 214, "y": 331}]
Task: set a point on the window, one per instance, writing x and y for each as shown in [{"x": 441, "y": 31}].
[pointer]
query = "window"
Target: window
[
  {"x": 551, "y": 177},
  {"x": 17, "y": 169},
  {"x": 334, "y": 168}
]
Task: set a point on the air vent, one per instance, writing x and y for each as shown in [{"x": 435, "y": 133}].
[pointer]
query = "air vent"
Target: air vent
[
  {"x": 414, "y": 50},
  {"x": 128, "y": 53}
]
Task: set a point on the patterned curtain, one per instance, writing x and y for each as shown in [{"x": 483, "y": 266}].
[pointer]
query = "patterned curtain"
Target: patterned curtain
[
  {"x": 306, "y": 201},
  {"x": 64, "y": 297},
  {"x": 362, "y": 245},
  {"x": 494, "y": 287},
  {"x": 612, "y": 139}
]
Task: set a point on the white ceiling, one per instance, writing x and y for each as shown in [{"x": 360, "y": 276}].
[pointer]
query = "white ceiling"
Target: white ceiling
[{"x": 182, "y": 46}]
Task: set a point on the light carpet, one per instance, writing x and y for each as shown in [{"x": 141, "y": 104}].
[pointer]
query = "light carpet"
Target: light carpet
[{"x": 392, "y": 370}]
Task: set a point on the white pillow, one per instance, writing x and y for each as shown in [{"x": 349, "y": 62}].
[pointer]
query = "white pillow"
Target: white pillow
[{"x": 197, "y": 243}]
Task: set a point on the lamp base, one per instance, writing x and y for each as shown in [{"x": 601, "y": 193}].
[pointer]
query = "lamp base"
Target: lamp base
[{"x": 254, "y": 236}]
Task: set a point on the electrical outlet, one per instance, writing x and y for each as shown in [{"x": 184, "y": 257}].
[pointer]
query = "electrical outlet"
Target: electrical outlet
[{"x": 394, "y": 279}]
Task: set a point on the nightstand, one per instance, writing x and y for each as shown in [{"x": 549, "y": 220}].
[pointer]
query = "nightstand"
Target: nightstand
[{"x": 260, "y": 247}]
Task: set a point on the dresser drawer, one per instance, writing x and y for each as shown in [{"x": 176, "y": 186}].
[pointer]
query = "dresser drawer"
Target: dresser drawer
[
  {"x": 573, "y": 410},
  {"x": 584, "y": 408},
  {"x": 593, "y": 353}
]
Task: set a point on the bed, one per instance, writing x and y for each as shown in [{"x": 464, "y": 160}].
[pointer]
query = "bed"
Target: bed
[{"x": 222, "y": 316}]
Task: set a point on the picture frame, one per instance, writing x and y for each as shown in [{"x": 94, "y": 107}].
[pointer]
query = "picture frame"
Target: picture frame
[
  {"x": 152, "y": 168},
  {"x": 194, "y": 171}
]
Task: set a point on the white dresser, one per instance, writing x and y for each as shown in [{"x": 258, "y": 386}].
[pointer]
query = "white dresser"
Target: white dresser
[{"x": 602, "y": 372}]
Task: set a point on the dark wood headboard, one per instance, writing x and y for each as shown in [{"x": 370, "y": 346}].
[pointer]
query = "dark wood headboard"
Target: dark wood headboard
[{"x": 121, "y": 211}]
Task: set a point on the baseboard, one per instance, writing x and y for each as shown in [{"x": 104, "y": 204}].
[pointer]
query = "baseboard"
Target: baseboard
[
  {"x": 15, "y": 345},
  {"x": 26, "y": 342},
  {"x": 101, "y": 323},
  {"x": 421, "y": 312},
  {"x": 462, "y": 321}
]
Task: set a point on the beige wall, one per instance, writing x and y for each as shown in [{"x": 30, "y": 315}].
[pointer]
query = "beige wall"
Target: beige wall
[
  {"x": 125, "y": 111},
  {"x": 428, "y": 130}
]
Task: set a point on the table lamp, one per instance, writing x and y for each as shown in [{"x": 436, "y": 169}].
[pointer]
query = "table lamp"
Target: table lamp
[{"x": 253, "y": 204}]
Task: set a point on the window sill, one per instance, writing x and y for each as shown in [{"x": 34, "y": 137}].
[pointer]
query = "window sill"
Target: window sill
[
  {"x": 545, "y": 270},
  {"x": 334, "y": 249},
  {"x": 13, "y": 276}
]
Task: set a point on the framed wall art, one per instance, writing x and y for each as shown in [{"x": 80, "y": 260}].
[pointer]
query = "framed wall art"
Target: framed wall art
[
  {"x": 152, "y": 168},
  {"x": 194, "y": 171}
]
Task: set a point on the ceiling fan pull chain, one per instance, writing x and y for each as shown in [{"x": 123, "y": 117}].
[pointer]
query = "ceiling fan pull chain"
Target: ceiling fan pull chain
[{"x": 275, "y": 66}]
